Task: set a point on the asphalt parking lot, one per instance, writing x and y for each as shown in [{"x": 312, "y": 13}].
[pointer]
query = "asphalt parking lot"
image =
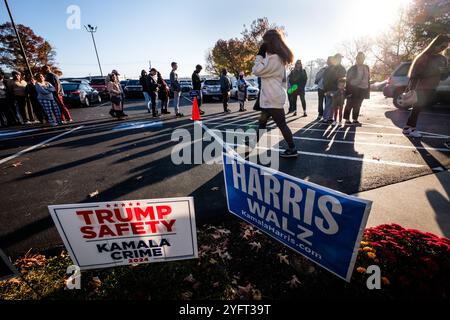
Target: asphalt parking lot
[{"x": 100, "y": 159}]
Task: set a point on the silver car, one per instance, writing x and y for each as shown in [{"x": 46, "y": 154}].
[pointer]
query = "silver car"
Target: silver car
[
  {"x": 252, "y": 92},
  {"x": 399, "y": 80}
]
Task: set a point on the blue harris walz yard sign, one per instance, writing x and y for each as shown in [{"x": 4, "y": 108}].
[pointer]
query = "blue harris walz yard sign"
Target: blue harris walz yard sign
[{"x": 323, "y": 225}]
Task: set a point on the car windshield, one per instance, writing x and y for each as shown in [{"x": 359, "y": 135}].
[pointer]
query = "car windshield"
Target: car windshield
[
  {"x": 212, "y": 83},
  {"x": 98, "y": 81},
  {"x": 133, "y": 83},
  {"x": 403, "y": 70},
  {"x": 70, "y": 86}
]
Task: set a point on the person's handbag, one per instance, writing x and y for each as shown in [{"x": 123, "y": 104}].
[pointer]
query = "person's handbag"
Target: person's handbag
[
  {"x": 408, "y": 98},
  {"x": 116, "y": 99}
]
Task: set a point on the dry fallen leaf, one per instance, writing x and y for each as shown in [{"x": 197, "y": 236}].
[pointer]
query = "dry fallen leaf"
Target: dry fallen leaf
[
  {"x": 255, "y": 246},
  {"x": 190, "y": 279},
  {"x": 294, "y": 282},
  {"x": 139, "y": 178},
  {"x": 283, "y": 258},
  {"x": 247, "y": 234},
  {"x": 215, "y": 189},
  {"x": 376, "y": 158},
  {"x": 93, "y": 194},
  {"x": 28, "y": 173},
  {"x": 186, "y": 295},
  {"x": 17, "y": 164}
]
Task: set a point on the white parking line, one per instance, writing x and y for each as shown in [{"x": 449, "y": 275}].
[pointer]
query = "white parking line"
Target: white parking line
[
  {"x": 333, "y": 140},
  {"x": 324, "y": 155},
  {"x": 429, "y": 136},
  {"x": 18, "y": 154}
]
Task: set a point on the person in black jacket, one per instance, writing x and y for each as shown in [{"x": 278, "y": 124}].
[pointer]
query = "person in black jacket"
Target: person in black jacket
[
  {"x": 297, "y": 81},
  {"x": 197, "y": 86},
  {"x": 163, "y": 94},
  {"x": 152, "y": 79},
  {"x": 358, "y": 88},
  {"x": 330, "y": 84},
  {"x": 225, "y": 88},
  {"x": 143, "y": 80}
]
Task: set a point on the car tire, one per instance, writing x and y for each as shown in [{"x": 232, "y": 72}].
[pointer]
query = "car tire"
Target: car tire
[{"x": 86, "y": 103}]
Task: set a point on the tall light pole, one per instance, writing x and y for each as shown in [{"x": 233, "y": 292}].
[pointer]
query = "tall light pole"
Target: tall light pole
[
  {"x": 93, "y": 30},
  {"x": 22, "y": 50}
]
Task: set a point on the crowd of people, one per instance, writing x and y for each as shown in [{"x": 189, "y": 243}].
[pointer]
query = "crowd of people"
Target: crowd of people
[{"x": 33, "y": 99}]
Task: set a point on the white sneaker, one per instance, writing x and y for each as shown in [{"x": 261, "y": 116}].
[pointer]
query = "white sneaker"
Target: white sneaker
[
  {"x": 415, "y": 134},
  {"x": 334, "y": 123}
]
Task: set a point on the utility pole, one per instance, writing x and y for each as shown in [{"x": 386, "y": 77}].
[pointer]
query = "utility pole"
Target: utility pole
[
  {"x": 93, "y": 30},
  {"x": 22, "y": 50}
]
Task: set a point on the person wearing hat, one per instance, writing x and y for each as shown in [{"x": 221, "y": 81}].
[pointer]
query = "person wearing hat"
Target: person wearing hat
[
  {"x": 330, "y": 84},
  {"x": 358, "y": 88},
  {"x": 197, "y": 86}
]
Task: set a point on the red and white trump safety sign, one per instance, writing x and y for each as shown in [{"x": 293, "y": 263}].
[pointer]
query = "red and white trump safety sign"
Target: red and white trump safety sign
[{"x": 110, "y": 234}]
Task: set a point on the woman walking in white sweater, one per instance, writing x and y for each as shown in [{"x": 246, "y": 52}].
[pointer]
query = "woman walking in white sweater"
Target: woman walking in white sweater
[{"x": 270, "y": 65}]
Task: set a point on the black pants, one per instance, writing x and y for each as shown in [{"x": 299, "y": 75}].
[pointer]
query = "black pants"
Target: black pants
[
  {"x": 321, "y": 95},
  {"x": 425, "y": 98},
  {"x": 225, "y": 100},
  {"x": 293, "y": 101},
  {"x": 280, "y": 119},
  {"x": 153, "y": 97},
  {"x": 353, "y": 106},
  {"x": 8, "y": 110},
  {"x": 25, "y": 109}
]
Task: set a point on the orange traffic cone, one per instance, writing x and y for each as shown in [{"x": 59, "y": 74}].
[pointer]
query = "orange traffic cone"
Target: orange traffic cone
[{"x": 195, "y": 111}]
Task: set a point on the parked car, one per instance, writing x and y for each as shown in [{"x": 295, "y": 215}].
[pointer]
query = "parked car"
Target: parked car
[
  {"x": 314, "y": 88},
  {"x": 379, "y": 86},
  {"x": 133, "y": 89},
  {"x": 211, "y": 90},
  {"x": 123, "y": 84},
  {"x": 252, "y": 92},
  {"x": 85, "y": 81},
  {"x": 80, "y": 94},
  {"x": 399, "y": 80},
  {"x": 186, "y": 85},
  {"x": 100, "y": 85}
]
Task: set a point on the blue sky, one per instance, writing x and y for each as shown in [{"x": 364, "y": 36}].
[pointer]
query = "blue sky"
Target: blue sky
[{"x": 130, "y": 33}]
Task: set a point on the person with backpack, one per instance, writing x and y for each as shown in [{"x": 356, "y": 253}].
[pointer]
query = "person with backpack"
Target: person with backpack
[
  {"x": 358, "y": 89},
  {"x": 225, "y": 88},
  {"x": 197, "y": 86}
]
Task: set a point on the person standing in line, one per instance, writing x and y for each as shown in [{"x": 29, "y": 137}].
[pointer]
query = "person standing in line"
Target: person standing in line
[
  {"x": 153, "y": 90},
  {"x": 53, "y": 79},
  {"x": 46, "y": 98},
  {"x": 163, "y": 94},
  {"x": 176, "y": 89},
  {"x": 18, "y": 90},
  {"x": 143, "y": 80},
  {"x": 33, "y": 96},
  {"x": 10, "y": 110},
  {"x": 272, "y": 70},
  {"x": 338, "y": 102},
  {"x": 425, "y": 74},
  {"x": 358, "y": 88},
  {"x": 297, "y": 82},
  {"x": 330, "y": 80},
  {"x": 225, "y": 88},
  {"x": 115, "y": 94},
  {"x": 197, "y": 86},
  {"x": 319, "y": 82},
  {"x": 3, "y": 102},
  {"x": 242, "y": 91},
  {"x": 122, "y": 94}
]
